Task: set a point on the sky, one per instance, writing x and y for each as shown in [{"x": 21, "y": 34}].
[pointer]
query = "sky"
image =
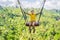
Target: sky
[{"x": 50, "y": 4}]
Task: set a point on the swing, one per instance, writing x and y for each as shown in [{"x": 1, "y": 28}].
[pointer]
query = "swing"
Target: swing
[
  {"x": 25, "y": 17},
  {"x": 35, "y": 24}
]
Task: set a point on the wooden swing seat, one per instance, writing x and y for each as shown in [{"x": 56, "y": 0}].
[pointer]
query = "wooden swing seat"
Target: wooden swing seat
[{"x": 35, "y": 24}]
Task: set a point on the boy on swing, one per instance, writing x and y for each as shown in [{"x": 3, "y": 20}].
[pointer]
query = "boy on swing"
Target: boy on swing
[
  {"x": 32, "y": 22},
  {"x": 32, "y": 18}
]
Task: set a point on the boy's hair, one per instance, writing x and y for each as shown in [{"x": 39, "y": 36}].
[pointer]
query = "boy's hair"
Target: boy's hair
[{"x": 32, "y": 10}]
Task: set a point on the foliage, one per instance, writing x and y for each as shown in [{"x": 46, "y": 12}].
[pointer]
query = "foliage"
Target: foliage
[{"x": 12, "y": 26}]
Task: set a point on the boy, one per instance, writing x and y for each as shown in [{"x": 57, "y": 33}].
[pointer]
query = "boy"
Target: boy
[{"x": 32, "y": 21}]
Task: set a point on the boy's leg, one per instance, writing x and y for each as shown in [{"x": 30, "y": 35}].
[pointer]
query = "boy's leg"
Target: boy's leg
[
  {"x": 30, "y": 27},
  {"x": 33, "y": 27}
]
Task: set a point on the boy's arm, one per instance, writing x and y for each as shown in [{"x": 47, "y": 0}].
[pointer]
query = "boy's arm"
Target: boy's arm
[
  {"x": 37, "y": 13},
  {"x": 26, "y": 13}
]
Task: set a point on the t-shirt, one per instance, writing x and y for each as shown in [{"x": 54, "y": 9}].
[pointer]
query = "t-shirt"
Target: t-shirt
[{"x": 32, "y": 17}]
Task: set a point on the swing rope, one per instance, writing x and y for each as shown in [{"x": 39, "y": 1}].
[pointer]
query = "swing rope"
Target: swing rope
[
  {"x": 23, "y": 12},
  {"x": 41, "y": 10}
]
